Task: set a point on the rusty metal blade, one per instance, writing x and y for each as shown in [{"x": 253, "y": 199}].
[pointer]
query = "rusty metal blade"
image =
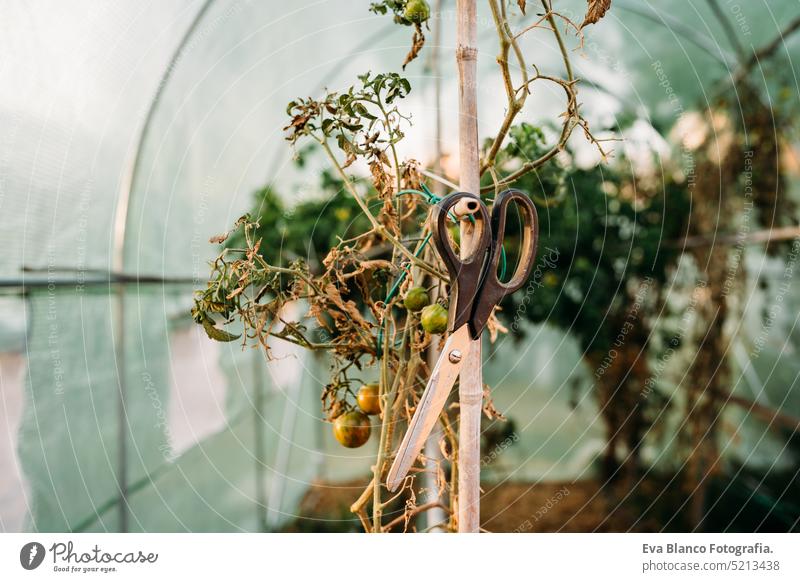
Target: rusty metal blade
[{"x": 430, "y": 406}]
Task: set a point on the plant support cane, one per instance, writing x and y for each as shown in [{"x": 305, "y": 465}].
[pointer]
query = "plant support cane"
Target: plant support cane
[{"x": 470, "y": 391}]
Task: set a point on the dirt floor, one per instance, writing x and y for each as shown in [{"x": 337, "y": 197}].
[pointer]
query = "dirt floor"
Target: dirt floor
[
  {"x": 547, "y": 507},
  {"x": 510, "y": 507}
]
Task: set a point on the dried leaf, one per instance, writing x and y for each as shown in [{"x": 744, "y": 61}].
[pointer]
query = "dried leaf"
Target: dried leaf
[
  {"x": 410, "y": 176},
  {"x": 348, "y": 307},
  {"x": 388, "y": 217},
  {"x": 446, "y": 449},
  {"x": 595, "y": 11},
  {"x": 381, "y": 179},
  {"x": 351, "y": 157},
  {"x": 494, "y": 326},
  {"x": 370, "y": 265},
  {"x": 316, "y": 311},
  {"x": 336, "y": 409},
  {"x": 417, "y": 42},
  {"x": 383, "y": 184},
  {"x": 219, "y": 239},
  {"x": 488, "y": 405},
  {"x": 521, "y": 5},
  {"x": 235, "y": 292}
]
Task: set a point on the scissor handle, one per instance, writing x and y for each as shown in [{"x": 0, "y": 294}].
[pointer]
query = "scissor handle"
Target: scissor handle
[
  {"x": 465, "y": 273},
  {"x": 492, "y": 289}
]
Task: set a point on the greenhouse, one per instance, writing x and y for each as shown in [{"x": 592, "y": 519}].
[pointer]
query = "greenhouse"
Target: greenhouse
[{"x": 193, "y": 295}]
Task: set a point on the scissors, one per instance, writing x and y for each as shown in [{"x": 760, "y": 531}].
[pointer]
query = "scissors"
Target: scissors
[{"x": 475, "y": 289}]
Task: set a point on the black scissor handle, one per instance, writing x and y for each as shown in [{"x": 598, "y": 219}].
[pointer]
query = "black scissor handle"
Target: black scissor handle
[
  {"x": 465, "y": 273},
  {"x": 492, "y": 289}
]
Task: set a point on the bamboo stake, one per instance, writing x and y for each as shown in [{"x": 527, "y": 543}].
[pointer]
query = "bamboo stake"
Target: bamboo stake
[
  {"x": 470, "y": 391},
  {"x": 467, "y": 60}
]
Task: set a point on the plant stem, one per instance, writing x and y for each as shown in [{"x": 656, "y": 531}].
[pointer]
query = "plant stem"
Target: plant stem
[
  {"x": 728, "y": 29},
  {"x": 766, "y": 51},
  {"x": 376, "y": 226},
  {"x": 508, "y": 41},
  {"x": 515, "y": 103},
  {"x": 409, "y": 514},
  {"x": 572, "y": 120},
  {"x": 391, "y": 143},
  {"x": 561, "y": 46},
  {"x": 377, "y": 470}
]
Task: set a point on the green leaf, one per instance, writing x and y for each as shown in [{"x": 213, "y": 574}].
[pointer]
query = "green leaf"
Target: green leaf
[
  {"x": 361, "y": 110},
  {"x": 378, "y": 8},
  {"x": 352, "y": 126},
  {"x": 216, "y": 333}
]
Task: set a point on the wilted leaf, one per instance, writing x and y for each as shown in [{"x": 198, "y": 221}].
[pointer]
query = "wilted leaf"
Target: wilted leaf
[
  {"x": 417, "y": 42},
  {"x": 236, "y": 291},
  {"x": 596, "y": 10},
  {"x": 348, "y": 161},
  {"x": 348, "y": 307},
  {"x": 494, "y": 326},
  {"x": 446, "y": 449},
  {"x": 372, "y": 265},
  {"x": 216, "y": 333},
  {"x": 381, "y": 179},
  {"x": 336, "y": 409},
  {"x": 488, "y": 405}
]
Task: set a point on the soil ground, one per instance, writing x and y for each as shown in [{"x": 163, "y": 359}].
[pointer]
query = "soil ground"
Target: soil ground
[{"x": 509, "y": 507}]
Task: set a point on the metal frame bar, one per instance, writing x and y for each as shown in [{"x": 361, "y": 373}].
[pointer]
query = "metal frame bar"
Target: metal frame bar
[{"x": 119, "y": 231}]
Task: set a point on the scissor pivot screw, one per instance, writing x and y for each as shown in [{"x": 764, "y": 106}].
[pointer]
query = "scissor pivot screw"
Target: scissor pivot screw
[{"x": 454, "y": 356}]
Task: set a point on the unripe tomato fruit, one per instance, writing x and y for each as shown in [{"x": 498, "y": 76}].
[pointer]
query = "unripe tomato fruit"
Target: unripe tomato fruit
[
  {"x": 434, "y": 319},
  {"x": 351, "y": 429},
  {"x": 416, "y": 299},
  {"x": 368, "y": 400},
  {"x": 455, "y": 234},
  {"x": 417, "y": 11}
]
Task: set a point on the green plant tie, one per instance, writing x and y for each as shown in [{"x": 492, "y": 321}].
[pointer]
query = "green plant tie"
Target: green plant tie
[{"x": 430, "y": 198}]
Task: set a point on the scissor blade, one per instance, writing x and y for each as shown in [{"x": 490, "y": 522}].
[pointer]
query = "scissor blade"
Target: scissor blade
[{"x": 430, "y": 405}]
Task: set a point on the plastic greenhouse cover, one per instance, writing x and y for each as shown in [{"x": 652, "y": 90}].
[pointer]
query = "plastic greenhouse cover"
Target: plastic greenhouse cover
[{"x": 72, "y": 116}]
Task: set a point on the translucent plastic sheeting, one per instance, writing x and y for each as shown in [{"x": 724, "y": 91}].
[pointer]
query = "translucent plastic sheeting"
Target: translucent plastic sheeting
[
  {"x": 767, "y": 369},
  {"x": 13, "y": 486},
  {"x": 217, "y": 133},
  {"x": 220, "y": 476},
  {"x": 75, "y": 82},
  {"x": 68, "y": 440},
  {"x": 72, "y": 117}
]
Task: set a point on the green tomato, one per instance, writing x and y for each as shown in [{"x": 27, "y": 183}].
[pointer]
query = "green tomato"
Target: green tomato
[
  {"x": 352, "y": 429},
  {"x": 416, "y": 299},
  {"x": 417, "y": 11},
  {"x": 434, "y": 319},
  {"x": 368, "y": 399}
]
